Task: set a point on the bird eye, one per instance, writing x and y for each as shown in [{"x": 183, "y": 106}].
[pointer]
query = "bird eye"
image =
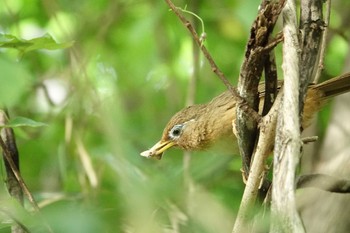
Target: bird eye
[{"x": 175, "y": 132}]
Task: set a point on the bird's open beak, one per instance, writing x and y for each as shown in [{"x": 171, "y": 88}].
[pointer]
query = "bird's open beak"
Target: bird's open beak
[{"x": 158, "y": 149}]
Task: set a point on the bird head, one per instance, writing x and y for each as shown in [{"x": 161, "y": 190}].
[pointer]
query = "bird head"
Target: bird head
[{"x": 181, "y": 131}]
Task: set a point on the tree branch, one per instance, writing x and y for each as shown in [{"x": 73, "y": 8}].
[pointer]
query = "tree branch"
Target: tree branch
[
  {"x": 11, "y": 161},
  {"x": 257, "y": 52},
  {"x": 323, "y": 42},
  {"x": 257, "y": 174},
  {"x": 8, "y": 153},
  {"x": 311, "y": 30},
  {"x": 206, "y": 53},
  {"x": 287, "y": 142}
]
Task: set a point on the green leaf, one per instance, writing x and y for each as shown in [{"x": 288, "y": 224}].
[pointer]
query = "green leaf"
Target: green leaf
[
  {"x": 25, "y": 46},
  {"x": 10, "y": 41},
  {"x": 22, "y": 121}
]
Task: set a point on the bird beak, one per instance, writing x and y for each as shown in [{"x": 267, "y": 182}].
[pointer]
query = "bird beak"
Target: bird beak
[{"x": 158, "y": 149}]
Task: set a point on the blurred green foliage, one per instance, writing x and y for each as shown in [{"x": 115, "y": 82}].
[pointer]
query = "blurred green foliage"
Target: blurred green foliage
[{"x": 106, "y": 99}]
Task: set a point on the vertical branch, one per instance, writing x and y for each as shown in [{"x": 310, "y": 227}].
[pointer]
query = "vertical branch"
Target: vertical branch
[
  {"x": 288, "y": 143},
  {"x": 311, "y": 30},
  {"x": 12, "y": 183},
  {"x": 8, "y": 138},
  {"x": 250, "y": 74},
  {"x": 270, "y": 82},
  {"x": 258, "y": 168},
  {"x": 256, "y": 59},
  {"x": 323, "y": 42}
]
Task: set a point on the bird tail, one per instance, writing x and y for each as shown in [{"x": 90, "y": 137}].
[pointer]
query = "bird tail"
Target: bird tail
[{"x": 335, "y": 86}]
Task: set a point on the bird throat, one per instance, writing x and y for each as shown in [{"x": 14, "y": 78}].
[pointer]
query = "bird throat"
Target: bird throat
[{"x": 226, "y": 145}]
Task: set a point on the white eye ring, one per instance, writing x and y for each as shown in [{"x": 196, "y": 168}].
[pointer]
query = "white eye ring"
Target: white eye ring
[{"x": 176, "y": 131}]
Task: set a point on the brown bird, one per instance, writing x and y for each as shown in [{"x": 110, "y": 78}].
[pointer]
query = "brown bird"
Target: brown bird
[{"x": 200, "y": 126}]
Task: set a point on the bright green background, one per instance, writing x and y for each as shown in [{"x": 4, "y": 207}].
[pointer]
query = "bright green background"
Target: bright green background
[{"x": 121, "y": 81}]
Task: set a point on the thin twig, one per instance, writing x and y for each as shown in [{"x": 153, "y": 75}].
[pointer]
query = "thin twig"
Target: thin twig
[
  {"x": 273, "y": 43},
  {"x": 271, "y": 78},
  {"x": 22, "y": 184},
  {"x": 323, "y": 42},
  {"x": 196, "y": 16},
  {"x": 18, "y": 175},
  {"x": 307, "y": 140},
  {"x": 211, "y": 61}
]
